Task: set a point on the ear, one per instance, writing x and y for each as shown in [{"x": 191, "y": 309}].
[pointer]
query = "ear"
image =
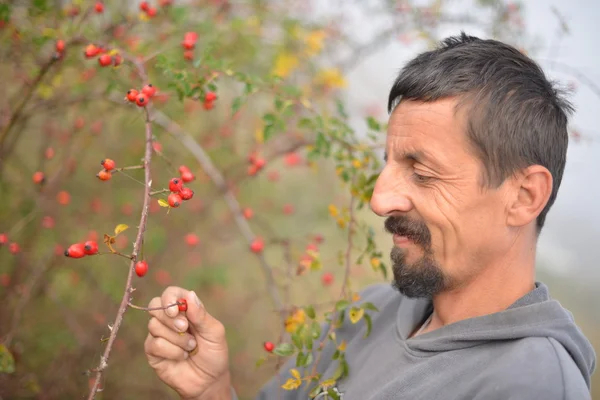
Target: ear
[{"x": 533, "y": 187}]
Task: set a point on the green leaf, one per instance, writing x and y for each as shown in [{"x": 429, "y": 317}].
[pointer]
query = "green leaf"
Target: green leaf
[
  {"x": 308, "y": 360},
  {"x": 333, "y": 394},
  {"x": 336, "y": 355},
  {"x": 306, "y": 123},
  {"x": 278, "y": 104},
  {"x": 284, "y": 349},
  {"x": 310, "y": 312},
  {"x": 300, "y": 359},
  {"x": 268, "y": 132},
  {"x": 269, "y": 119},
  {"x": 236, "y": 104},
  {"x": 369, "y": 306},
  {"x": 5, "y": 12},
  {"x": 341, "y": 305},
  {"x": 260, "y": 362},
  {"x": 383, "y": 269},
  {"x": 373, "y": 124},
  {"x": 315, "y": 330},
  {"x": 369, "y": 323},
  {"x": 7, "y": 361},
  {"x": 297, "y": 339}
]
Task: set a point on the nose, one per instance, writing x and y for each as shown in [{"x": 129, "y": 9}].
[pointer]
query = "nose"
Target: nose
[{"x": 390, "y": 195}]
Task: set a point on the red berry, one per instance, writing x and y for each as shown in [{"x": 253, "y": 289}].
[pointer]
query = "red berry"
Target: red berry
[
  {"x": 208, "y": 105},
  {"x": 175, "y": 185},
  {"x": 210, "y": 96},
  {"x": 191, "y": 36},
  {"x": 149, "y": 90},
  {"x": 49, "y": 153},
  {"x": 3, "y": 238},
  {"x": 288, "y": 209},
  {"x": 260, "y": 163},
  {"x": 99, "y": 7},
  {"x": 252, "y": 170},
  {"x": 39, "y": 178},
  {"x": 183, "y": 168},
  {"x": 76, "y": 250},
  {"x": 141, "y": 268},
  {"x": 105, "y": 60},
  {"x": 63, "y": 198},
  {"x": 141, "y": 100},
  {"x": 257, "y": 245},
  {"x": 188, "y": 44},
  {"x": 187, "y": 176},
  {"x": 186, "y": 193},
  {"x": 292, "y": 159},
  {"x": 157, "y": 147},
  {"x": 182, "y": 304},
  {"x": 174, "y": 200},
  {"x": 104, "y": 175},
  {"x": 90, "y": 247},
  {"x": 248, "y": 213},
  {"x": 91, "y": 50},
  {"x": 48, "y": 222},
  {"x": 192, "y": 239},
  {"x": 269, "y": 346},
  {"x": 14, "y": 248},
  {"x": 188, "y": 55},
  {"x": 144, "y": 6},
  {"x": 60, "y": 45},
  {"x": 108, "y": 164},
  {"x": 117, "y": 60},
  {"x": 327, "y": 278},
  {"x": 132, "y": 95},
  {"x": 151, "y": 12}
]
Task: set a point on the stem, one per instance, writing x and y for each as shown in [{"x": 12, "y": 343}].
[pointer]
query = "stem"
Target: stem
[
  {"x": 138, "y": 242},
  {"x": 126, "y": 168},
  {"x": 151, "y": 308}
]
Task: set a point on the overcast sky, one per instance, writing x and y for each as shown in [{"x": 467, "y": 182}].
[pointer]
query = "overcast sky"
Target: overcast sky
[{"x": 570, "y": 242}]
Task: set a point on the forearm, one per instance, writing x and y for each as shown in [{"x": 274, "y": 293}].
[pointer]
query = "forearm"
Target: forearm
[{"x": 221, "y": 390}]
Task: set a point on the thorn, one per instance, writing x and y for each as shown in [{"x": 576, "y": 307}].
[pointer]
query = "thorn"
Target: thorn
[{"x": 110, "y": 327}]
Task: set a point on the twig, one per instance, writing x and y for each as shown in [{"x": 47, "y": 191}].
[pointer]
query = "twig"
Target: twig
[
  {"x": 217, "y": 177},
  {"x": 125, "y": 301},
  {"x": 152, "y": 308}
]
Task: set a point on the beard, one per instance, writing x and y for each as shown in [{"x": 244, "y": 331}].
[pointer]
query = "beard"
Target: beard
[{"x": 423, "y": 277}]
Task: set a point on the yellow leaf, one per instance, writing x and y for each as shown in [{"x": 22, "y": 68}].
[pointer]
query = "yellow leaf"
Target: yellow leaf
[
  {"x": 327, "y": 383},
  {"x": 292, "y": 384},
  {"x": 333, "y": 211},
  {"x": 296, "y": 319},
  {"x": 228, "y": 72},
  {"x": 163, "y": 203},
  {"x": 375, "y": 262},
  {"x": 143, "y": 17},
  {"x": 120, "y": 228},
  {"x": 342, "y": 346},
  {"x": 306, "y": 103},
  {"x": 356, "y": 163},
  {"x": 314, "y": 42},
  {"x": 285, "y": 63},
  {"x": 341, "y": 223},
  {"x": 355, "y": 297},
  {"x": 259, "y": 136},
  {"x": 295, "y": 373},
  {"x": 355, "y": 314},
  {"x": 331, "y": 77}
]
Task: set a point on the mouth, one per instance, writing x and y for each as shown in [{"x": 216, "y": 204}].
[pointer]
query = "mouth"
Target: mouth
[{"x": 402, "y": 241}]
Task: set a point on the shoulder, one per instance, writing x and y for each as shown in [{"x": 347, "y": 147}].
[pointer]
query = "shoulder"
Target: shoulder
[{"x": 532, "y": 368}]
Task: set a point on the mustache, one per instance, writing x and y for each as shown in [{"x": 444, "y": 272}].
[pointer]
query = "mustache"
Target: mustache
[{"x": 414, "y": 230}]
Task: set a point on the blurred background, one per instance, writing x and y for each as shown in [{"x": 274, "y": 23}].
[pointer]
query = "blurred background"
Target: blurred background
[{"x": 56, "y": 311}]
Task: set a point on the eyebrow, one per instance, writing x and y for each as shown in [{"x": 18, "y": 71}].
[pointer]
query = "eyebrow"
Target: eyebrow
[{"x": 416, "y": 156}]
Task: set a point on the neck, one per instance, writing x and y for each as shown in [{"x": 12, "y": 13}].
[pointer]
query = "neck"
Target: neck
[{"x": 492, "y": 290}]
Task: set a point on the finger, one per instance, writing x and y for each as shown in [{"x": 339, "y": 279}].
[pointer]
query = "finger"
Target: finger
[
  {"x": 157, "y": 347},
  {"x": 170, "y": 296},
  {"x": 201, "y": 322},
  {"x": 178, "y": 324},
  {"x": 158, "y": 329}
]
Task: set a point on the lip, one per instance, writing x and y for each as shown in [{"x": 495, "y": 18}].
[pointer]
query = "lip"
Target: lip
[{"x": 401, "y": 241}]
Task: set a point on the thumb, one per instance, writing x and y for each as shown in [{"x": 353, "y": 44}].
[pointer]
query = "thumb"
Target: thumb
[{"x": 201, "y": 323}]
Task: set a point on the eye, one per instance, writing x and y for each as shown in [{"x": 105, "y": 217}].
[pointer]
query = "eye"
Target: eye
[{"x": 421, "y": 178}]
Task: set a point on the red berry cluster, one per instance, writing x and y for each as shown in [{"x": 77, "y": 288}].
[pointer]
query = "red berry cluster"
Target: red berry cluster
[
  {"x": 209, "y": 100},
  {"x": 104, "y": 59},
  {"x": 150, "y": 11},
  {"x": 13, "y": 247},
  {"x": 142, "y": 97},
  {"x": 106, "y": 173},
  {"x": 179, "y": 193},
  {"x": 79, "y": 250},
  {"x": 189, "y": 43},
  {"x": 256, "y": 164}
]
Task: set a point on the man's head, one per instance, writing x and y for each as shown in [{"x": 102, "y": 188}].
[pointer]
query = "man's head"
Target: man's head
[{"x": 475, "y": 153}]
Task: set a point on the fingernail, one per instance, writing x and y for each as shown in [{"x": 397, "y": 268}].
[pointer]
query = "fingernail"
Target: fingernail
[
  {"x": 191, "y": 344},
  {"x": 196, "y": 299},
  {"x": 180, "y": 324}
]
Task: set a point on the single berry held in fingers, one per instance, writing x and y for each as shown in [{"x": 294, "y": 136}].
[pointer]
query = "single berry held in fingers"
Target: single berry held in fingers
[{"x": 182, "y": 304}]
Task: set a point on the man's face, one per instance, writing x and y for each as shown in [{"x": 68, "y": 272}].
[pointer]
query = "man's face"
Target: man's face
[{"x": 446, "y": 227}]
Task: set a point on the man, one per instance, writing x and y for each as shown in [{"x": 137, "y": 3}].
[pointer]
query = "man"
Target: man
[{"x": 475, "y": 152}]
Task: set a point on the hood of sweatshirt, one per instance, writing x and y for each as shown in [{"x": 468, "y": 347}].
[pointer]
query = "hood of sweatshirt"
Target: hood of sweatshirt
[{"x": 533, "y": 315}]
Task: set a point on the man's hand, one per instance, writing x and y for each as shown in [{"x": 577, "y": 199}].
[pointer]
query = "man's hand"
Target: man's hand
[{"x": 188, "y": 349}]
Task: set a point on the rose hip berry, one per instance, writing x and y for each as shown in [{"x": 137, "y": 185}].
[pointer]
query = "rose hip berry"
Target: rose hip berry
[
  {"x": 149, "y": 90},
  {"x": 39, "y": 178},
  {"x": 76, "y": 250},
  {"x": 141, "y": 100},
  {"x": 174, "y": 200},
  {"x": 104, "y": 175},
  {"x": 105, "y": 60},
  {"x": 90, "y": 247},
  {"x": 132, "y": 95},
  {"x": 141, "y": 268},
  {"x": 91, "y": 51},
  {"x": 99, "y": 7},
  {"x": 3, "y": 238},
  {"x": 210, "y": 96},
  {"x": 187, "y": 176},
  {"x": 182, "y": 304},
  {"x": 60, "y": 45},
  {"x": 175, "y": 185},
  {"x": 257, "y": 245},
  {"x": 144, "y": 6},
  {"x": 108, "y": 164},
  {"x": 269, "y": 346},
  {"x": 186, "y": 193}
]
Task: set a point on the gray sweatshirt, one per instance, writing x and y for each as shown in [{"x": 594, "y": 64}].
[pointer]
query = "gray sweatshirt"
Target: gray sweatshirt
[{"x": 532, "y": 350}]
